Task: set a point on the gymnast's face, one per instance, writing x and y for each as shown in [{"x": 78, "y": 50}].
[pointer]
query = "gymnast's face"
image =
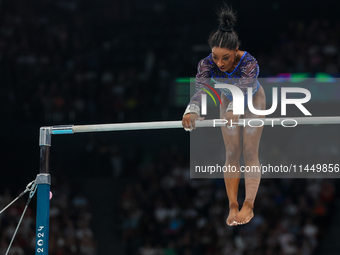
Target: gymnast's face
[{"x": 224, "y": 58}]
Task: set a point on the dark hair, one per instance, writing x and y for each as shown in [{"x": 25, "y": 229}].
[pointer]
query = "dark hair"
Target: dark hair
[{"x": 225, "y": 36}]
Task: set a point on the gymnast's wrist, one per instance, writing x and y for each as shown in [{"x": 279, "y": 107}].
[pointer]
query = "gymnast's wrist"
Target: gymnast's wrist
[
  {"x": 192, "y": 108},
  {"x": 230, "y": 107}
]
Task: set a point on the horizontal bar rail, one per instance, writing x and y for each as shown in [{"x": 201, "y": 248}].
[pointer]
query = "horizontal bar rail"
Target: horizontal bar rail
[
  {"x": 178, "y": 124},
  {"x": 46, "y": 132}
]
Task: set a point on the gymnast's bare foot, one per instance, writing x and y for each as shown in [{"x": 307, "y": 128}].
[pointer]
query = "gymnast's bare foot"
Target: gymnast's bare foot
[
  {"x": 233, "y": 210},
  {"x": 245, "y": 215}
]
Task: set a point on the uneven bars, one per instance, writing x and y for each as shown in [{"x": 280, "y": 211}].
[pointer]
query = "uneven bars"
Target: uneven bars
[
  {"x": 71, "y": 129},
  {"x": 43, "y": 179}
]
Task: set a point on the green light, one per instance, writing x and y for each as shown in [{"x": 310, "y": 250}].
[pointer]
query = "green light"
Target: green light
[
  {"x": 184, "y": 79},
  {"x": 324, "y": 77},
  {"x": 299, "y": 77}
]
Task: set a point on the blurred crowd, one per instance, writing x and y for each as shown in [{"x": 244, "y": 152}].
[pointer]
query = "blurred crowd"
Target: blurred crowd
[
  {"x": 62, "y": 62},
  {"x": 165, "y": 212},
  {"x": 304, "y": 48},
  {"x": 70, "y": 217}
]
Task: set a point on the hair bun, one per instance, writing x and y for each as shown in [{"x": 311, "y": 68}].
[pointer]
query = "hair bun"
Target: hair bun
[
  {"x": 225, "y": 36},
  {"x": 227, "y": 18},
  {"x": 223, "y": 29}
]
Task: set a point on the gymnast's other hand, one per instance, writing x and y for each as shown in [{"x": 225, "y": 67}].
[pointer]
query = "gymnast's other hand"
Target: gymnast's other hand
[
  {"x": 189, "y": 121},
  {"x": 231, "y": 118}
]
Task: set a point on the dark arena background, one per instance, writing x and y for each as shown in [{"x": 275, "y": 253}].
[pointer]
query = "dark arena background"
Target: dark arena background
[{"x": 130, "y": 192}]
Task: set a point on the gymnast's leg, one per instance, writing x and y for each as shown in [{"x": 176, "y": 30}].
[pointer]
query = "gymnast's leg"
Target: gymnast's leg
[
  {"x": 232, "y": 144},
  {"x": 251, "y": 142}
]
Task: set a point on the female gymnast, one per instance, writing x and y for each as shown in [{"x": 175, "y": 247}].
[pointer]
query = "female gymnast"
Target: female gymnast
[{"x": 228, "y": 64}]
